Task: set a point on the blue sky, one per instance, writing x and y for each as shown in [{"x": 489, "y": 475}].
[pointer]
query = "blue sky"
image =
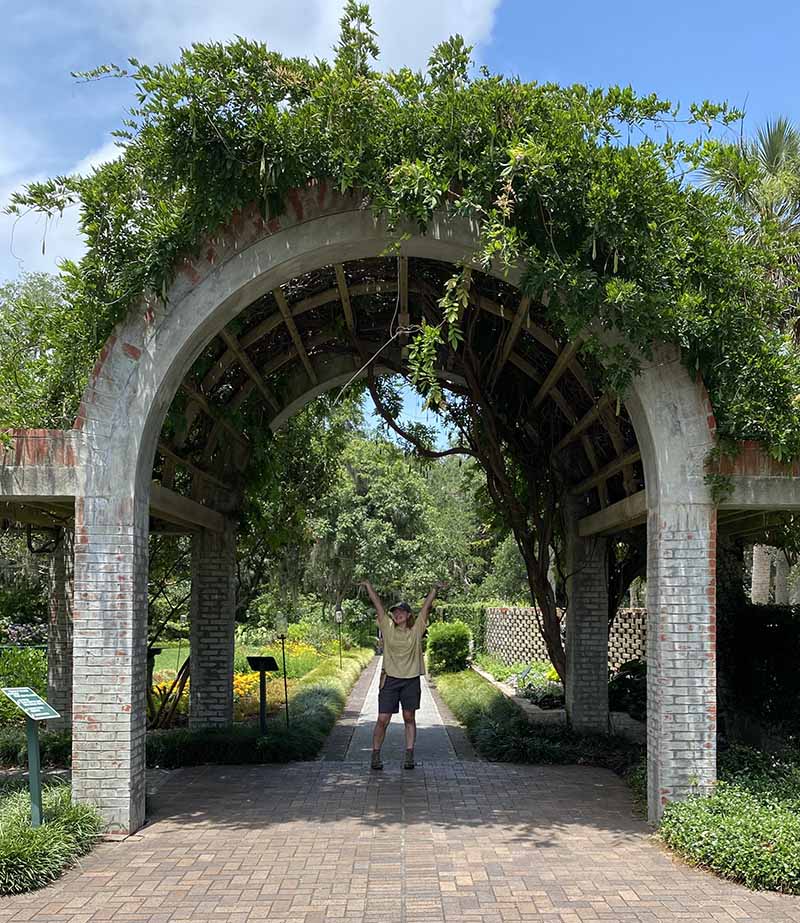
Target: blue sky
[{"x": 743, "y": 52}]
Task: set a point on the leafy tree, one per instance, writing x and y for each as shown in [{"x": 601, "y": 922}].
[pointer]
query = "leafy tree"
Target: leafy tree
[
  {"x": 378, "y": 522},
  {"x": 46, "y": 352}
]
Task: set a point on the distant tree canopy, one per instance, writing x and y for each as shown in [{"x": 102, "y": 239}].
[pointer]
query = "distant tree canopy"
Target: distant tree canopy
[{"x": 570, "y": 183}]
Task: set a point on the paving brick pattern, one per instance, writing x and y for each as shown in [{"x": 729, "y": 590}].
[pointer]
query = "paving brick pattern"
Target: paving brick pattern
[{"x": 451, "y": 842}]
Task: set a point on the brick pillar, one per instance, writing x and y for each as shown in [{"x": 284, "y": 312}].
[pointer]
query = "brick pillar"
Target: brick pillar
[
  {"x": 681, "y": 652},
  {"x": 760, "y": 574},
  {"x": 109, "y": 658},
  {"x": 59, "y": 632},
  {"x": 587, "y": 632},
  {"x": 781, "y": 578},
  {"x": 211, "y": 628}
]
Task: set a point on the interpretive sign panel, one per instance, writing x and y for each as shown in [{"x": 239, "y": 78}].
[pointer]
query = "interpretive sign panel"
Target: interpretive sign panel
[{"x": 32, "y": 704}]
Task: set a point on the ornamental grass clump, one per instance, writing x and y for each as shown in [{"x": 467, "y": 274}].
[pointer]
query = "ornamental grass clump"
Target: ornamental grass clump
[{"x": 33, "y": 857}]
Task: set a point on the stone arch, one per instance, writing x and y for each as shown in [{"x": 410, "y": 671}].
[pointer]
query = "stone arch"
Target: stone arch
[{"x": 137, "y": 376}]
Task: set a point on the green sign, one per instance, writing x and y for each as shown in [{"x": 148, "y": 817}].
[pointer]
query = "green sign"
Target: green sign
[{"x": 32, "y": 704}]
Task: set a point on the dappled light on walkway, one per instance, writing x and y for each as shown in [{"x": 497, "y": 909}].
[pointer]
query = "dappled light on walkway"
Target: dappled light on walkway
[{"x": 455, "y": 840}]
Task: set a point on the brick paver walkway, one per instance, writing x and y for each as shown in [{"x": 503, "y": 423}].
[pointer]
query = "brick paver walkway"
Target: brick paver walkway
[{"x": 455, "y": 840}]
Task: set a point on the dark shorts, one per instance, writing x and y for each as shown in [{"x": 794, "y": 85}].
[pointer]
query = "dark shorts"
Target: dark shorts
[{"x": 396, "y": 692}]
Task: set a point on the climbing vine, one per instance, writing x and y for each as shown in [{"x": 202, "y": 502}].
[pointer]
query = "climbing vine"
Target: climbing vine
[{"x": 586, "y": 189}]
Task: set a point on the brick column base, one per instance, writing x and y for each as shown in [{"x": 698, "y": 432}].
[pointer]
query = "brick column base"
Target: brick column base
[
  {"x": 587, "y": 633},
  {"x": 109, "y": 659},
  {"x": 59, "y": 632},
  {"x": 681, "y": 653},
  {"x": 211, "y": 628}
]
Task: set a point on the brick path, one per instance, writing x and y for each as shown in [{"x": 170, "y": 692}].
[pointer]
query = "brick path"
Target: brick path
[{"x": 455, "y": 841}]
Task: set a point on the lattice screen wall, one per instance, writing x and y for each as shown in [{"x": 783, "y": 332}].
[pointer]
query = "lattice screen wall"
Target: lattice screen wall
[{"x": 513, "y": 636}]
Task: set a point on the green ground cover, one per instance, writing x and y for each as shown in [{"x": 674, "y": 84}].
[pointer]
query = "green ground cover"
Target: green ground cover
[{"x": 500, "y": 731}]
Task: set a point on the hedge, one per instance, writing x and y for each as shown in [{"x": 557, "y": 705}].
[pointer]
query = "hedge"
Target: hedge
[{"x": 471, "y": 614}]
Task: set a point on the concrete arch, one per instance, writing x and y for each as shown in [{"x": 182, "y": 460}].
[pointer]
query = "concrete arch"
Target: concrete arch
[{"x": 136, "y": 378}]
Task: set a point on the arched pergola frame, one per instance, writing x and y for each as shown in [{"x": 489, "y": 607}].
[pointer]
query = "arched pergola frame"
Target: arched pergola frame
[{"x": 109, "y": 471}]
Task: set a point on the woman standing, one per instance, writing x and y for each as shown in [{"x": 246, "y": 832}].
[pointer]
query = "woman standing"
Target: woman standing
[{"x": 403, "y": 664}]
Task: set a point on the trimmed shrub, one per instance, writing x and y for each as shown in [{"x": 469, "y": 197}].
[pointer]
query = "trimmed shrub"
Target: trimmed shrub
[
  {"x": 471, "y": 614},
  {"x": 33, "y": 857},
  {"x": 55, "y": 747},
  {"x": 448, "y": 647}
]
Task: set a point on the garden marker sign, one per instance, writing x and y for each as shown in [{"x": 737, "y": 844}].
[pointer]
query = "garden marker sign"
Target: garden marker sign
[{"x": 36, "y": 709}]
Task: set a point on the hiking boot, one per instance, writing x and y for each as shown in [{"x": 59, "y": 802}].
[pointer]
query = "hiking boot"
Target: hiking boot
[
  {"x": 409, "y": 760},
  {"x": 377, "y": 762}
]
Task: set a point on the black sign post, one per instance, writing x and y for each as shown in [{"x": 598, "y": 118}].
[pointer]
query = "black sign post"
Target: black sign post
[{"x": 36, "y": 710}]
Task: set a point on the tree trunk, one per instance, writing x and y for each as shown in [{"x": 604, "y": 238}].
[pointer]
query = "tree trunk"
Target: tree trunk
[{"x": 781, "y": 579}]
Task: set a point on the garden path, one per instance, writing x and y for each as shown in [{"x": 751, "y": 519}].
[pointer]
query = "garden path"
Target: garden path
[{"x": 456, "y": 841}]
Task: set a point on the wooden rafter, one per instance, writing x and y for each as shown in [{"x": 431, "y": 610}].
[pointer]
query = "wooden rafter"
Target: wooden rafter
[
  {"x": 169, "y": 452},
  {"x": 247, "y": 364},
  {"x": 344, "y": 297},
  {"x": 294, "y": 333},
  {"x": 584, "y": 423},
  {"x": 562, "y": 363},
  {"x": 607, "y": 471},
  {"x": 513, "y": 332},
  {"x": 214, "y": 413},
  {"x": 179, "y": 510}
]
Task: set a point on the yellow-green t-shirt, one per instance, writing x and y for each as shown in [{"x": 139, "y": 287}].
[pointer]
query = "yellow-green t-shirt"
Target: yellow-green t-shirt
[{"x": 402, "y": 648}]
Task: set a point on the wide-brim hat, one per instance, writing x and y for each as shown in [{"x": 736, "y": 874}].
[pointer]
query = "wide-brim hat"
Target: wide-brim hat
[{"x": 401, "y": 605}]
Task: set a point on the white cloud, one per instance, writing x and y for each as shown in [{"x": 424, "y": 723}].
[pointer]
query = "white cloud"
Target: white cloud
[
  {"x": 155, "y": 30},
  {"x": 31, "y": 243}
]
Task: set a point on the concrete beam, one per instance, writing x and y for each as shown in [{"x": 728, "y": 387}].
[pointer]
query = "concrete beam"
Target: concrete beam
[
  {"x": 763, "y": 492},
  {"x": 632, "y": 511},
  {"x": 166, "y": 504}
]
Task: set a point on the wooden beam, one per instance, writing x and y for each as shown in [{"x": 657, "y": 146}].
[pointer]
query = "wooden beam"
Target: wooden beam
[
  {"x": 294, "y": 333},
  {"x": 344, "y": 297},
  {"x": 191, "y": 467},
  {"x": 172, "y": 507},
  {"x": 524, "y": 366},
  {"x": 511, "y": 337},
  {"x": 217, "y": 415},
  {"x": 247, "y": 364},
  {"x": 624, "y": 514},
  {"x": 585, "y": 421},
  {"x": 563, "y": 360},
  {"x": 402, "y": 304},
  {"x": 606, "y": 472}
]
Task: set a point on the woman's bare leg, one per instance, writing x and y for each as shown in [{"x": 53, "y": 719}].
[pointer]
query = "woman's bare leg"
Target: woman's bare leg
[
  {"x": 410, "y": 719},
  {"x": 379, "y": 733}
]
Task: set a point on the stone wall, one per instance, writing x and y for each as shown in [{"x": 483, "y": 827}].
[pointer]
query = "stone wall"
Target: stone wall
[{"x": 513, "y": 636}]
